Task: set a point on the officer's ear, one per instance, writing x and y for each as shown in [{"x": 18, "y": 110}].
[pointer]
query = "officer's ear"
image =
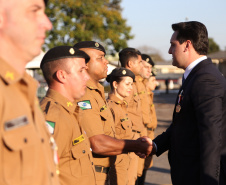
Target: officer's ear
[
  {"x": 61, "y": 76},
  {"x": 188, "y": 45},
  {"x": 130, "y": 63},
  {"x": 115, "y": 84}
]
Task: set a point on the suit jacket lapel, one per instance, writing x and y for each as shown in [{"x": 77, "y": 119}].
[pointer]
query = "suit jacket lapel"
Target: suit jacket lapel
[
  {"x": 194, "y": 70},
  {"x": 186, "y": 82}
]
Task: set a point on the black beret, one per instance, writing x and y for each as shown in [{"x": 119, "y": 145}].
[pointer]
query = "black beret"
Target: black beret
[
  {"x": 61, "y": 52},
  {"x": 45, "y": 1},
  {"x": 89, "y": 44},
  {"x": 125, "y": 50},
  {"x": 120, "y": 72},
  {"x": 148, "y": 59}
]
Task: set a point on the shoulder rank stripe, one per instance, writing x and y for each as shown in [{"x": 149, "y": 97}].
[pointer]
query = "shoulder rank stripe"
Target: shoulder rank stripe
[
  {"x": 124, "y": 119},
  {"x": 78, "y": 140},
  {"x": 47, "y": 107},
  {"x": 103, "y": 108}
]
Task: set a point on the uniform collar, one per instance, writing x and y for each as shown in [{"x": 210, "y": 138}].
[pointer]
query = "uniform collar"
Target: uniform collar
[
  {"x": 92, "y": 86},
  {"x": 138, "y": 78},
  {"x": 67, "y": 104},
  {"x": 10, "y": 76},
  {"x": 114, "y": 98},
  {"x": 8, "y": 73}
]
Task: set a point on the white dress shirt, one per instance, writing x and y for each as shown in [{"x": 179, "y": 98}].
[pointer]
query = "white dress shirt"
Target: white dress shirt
[{"x": 192, "y": 65}]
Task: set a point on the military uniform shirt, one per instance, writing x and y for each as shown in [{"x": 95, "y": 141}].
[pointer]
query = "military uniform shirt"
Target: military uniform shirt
[
  {"x": 26, "y": 156},
  {"x": 134, "y": 109},
  {"x": 75, "y": 164},
  {"x": 153, "y": 112},
  {"x": 96, "y": 117},
  {"x": 123, "y": 124},
  {"x": 141, "y": 90}
]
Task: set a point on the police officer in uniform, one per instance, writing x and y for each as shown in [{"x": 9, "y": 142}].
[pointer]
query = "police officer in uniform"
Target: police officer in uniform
[
  {"x": 130, "y": 58},
  {"x": 121, "y": 81},
  {"x": 96, "y": 117},
  {"x": 145, "y": 73},
  {"x": 148, "y": 80},
  {"x": 64, "y": 69},
  {"x": 26, "y": 150}
]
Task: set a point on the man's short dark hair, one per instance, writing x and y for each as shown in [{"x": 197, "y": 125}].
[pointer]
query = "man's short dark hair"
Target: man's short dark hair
[
  {"x": 49, "y": 69},
  {"x": 127, "y": 54},
  {"x": 194, "y": 31}
]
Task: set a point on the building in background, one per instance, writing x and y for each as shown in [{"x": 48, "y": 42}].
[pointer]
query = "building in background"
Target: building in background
[{"x": 219, "y": 59}]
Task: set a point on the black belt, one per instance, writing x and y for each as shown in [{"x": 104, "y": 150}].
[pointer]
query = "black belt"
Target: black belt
[
  {"x": 136, "y": 131},
  {"x": 151, "y": 129},
  {"x": 102, "y": 169}
]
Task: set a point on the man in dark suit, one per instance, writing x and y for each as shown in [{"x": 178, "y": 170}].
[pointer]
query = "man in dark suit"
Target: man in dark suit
[{"x": 196, "y": 139}]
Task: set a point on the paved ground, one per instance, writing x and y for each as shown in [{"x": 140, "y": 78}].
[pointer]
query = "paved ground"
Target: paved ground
[{"x": 159, "y": 174}]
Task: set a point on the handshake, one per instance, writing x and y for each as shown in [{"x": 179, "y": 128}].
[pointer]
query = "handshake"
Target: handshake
[{"x": 145, "y": 147}]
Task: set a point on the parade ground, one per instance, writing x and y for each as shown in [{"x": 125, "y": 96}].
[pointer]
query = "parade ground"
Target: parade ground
[{"x": 159, "y": 174}]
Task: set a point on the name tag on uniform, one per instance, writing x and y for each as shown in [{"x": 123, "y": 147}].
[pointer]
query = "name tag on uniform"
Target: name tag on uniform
[
  {"x": 124, "y": 119},
  {"x": 78, "y": 140},
  {"x": 16, "y": 123},
  {"x": 103, "y": 108}
]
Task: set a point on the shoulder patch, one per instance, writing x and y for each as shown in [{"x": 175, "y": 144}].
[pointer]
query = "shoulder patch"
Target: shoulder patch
[
  {"x": 51, "y": 126},
  {"x": 85, "y": 104}
]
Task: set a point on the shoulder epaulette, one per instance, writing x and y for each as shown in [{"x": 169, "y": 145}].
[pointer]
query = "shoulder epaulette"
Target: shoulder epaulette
[{"x": 47, "y": 107}]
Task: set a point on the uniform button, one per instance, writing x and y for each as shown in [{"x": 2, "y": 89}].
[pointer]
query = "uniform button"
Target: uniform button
[
  {"x": 42, "y": 140},
  {"x": 52, "y": 175},
  {"x": 83, "y": 151},
  {"x": 25, "y": 140}
]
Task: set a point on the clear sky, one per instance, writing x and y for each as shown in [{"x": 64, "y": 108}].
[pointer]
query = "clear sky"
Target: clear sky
[{"x": 151, "y": 20}]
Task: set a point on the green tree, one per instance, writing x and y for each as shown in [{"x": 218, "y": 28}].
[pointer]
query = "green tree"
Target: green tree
[
  {"x": 81, "y": 20},
  {"x": 213, "y": 46}
]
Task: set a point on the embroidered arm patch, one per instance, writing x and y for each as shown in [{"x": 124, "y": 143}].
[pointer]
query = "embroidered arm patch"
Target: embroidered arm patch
[
  {"x": 51, "y": 126},
  {"x": 85, "y": 104}
]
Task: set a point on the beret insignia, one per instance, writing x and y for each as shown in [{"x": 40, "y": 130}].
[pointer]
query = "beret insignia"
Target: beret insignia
[
  {"x": 124, "y": 72},
  {"x": 72, "y": 51},
  {"x": 97, "y": 45},
  {"x": 147, "y": 60}
]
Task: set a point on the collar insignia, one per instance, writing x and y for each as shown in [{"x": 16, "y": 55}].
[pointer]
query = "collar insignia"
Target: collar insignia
[{"x": 9, "y": 75}]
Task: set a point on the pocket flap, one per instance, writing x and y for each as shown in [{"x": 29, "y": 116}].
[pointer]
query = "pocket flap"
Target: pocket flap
[
  {"x": 80, "y": 150},
  {"x": 126, "y": 125},
  {"x": 21, "y": 137},
  {"x": 104, "y": 115}
]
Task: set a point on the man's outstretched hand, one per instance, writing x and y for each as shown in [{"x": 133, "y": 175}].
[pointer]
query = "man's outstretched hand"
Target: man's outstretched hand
[{"x": 145, "y": 147}]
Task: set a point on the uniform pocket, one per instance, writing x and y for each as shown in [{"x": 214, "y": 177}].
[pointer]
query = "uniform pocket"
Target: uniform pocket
[
  {"x": 19, "y": 154},
  {"x": 124, "y": 130},
  {"x": 80, "y": 163}
]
